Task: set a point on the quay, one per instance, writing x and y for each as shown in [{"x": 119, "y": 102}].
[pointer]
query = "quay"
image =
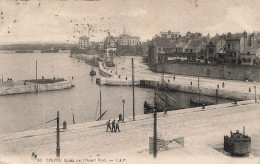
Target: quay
[
  {"x": 31, "y": 86},
  {"x": 202, "y": 129}
]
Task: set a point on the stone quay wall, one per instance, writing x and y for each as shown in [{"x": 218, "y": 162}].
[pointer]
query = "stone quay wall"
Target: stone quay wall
[{"x": 230, "y": 72}]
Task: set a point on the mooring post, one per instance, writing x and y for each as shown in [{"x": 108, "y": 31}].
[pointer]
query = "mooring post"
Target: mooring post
[
  {"x": 255, "y": 94},
  {"x": 2, "y": 78},
  {"x": 58, "y": 136},
  {"x": 133, "y": 84}
]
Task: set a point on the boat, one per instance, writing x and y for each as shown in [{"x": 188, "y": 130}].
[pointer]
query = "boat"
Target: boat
[
  {"x": 237, "y": 144},
  {"x": 197, "y": 102},
  {"x": 92, "y": 73}
]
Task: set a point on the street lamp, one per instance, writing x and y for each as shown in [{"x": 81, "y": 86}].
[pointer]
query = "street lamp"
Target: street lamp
[{"x": 123, "y": 101}]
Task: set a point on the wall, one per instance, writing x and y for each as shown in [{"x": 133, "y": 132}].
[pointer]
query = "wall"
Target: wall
[{"x": 251, "y": 73}]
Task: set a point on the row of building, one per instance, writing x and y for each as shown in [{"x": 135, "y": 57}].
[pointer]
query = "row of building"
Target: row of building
[
  {"x": 238, "y": 49},
  {"x": 110, "y": 42}
]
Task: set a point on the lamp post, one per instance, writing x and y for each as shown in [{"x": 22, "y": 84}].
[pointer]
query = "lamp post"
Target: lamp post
[{"x": 123, "y": 101}]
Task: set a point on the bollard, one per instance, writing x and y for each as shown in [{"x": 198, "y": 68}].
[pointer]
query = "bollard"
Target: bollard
[
  {"x": 249, "y": 89},
  {"x": 64, "y": 125},
  {"x": 191, "y": 83}
]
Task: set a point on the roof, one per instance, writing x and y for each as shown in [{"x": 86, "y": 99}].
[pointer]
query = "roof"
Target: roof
[
  {"x": 236, "y": 36},
  {"x": 181, "y": 44},
  {"x": 250, "y": 50},
  {"x": 194, "y": 44},
  {"x": 161, "y": 41},
  {"x": 84, "y": 37}
]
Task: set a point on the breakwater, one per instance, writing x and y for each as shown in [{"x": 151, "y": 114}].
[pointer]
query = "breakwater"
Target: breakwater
[{"x": 20, "y": 87}]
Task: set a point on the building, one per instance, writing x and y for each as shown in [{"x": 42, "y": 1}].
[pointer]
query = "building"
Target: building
[
  {"x": 250, "y": 56},
  {"x": 127, "y": 40},
  {"x": 84, "y": 42},
  {"x": 235, "y": 44},
  {"x": 215, "y": 49},
  {"x": 170, "y": 35}
]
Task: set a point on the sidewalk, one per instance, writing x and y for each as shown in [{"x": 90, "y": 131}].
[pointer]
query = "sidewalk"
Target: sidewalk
[{"x": 203, "y": 131}]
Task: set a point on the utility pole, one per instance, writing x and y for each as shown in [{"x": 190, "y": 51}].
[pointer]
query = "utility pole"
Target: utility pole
[
  {"x": 255, "y": 94},
  {"x": 36, "y": 69},
  {"x": 100, "y": 104},
  {"x": 58, "y": 136},
  {"x": 198, "y": 82},
  {"x": 133, "y": 84},
  {"x": 155, "y": 129}
]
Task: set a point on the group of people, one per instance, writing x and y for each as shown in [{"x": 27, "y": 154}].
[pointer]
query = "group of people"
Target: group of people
[{"x": 115, "y": 126}]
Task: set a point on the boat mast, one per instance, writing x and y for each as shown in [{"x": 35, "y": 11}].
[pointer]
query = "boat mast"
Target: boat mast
[{"x": 133, "y": 84}]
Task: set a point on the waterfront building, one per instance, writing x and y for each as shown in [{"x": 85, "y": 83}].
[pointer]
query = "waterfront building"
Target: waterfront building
[
  {"x": 84, "y": 42},
  {"x": 127, "y": 40},
  {"x": 215, "y": 49},
  {"x": 170, "y": 35},
  {"x": 110, "y": 43},
  {"x": 235, "y": 45}
]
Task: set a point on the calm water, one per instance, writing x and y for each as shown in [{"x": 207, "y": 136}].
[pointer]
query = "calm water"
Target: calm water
[{"x": 18, "y": 112}]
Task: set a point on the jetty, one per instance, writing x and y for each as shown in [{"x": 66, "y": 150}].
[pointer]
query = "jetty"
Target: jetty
[{"x": 34, "y": 85}]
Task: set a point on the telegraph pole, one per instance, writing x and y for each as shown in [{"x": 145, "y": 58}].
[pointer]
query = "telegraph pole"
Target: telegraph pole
[
  {"x": 133, "y": 84},
  {"x": 100, "y": 104},
  {"x": 155, "y": 129},
  {"x": 36, "y": 69},
  {"x": 58, "y": 136}
]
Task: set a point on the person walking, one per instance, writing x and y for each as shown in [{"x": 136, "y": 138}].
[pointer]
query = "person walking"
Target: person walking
[
  {"x": 113, "y": 126},
  {"x": 117, "y": 126},
  {"x": 223, "y": 85},
  {"x": 108, "y": 125}
]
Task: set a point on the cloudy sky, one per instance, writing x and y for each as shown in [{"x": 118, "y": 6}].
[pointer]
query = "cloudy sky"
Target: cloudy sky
[{"x": 42, "y": 21}]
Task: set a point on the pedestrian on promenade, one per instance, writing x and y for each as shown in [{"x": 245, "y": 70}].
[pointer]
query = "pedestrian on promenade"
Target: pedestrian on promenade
[
  {"x": 223, "y": 85},
  {"x": 168, "y": 80},
  {"x": 108, "y": 125},
  {"x": 218, "y": 86},
  {"x": 126, "y": 78},
  {"x": 117, "y": 126},
  {"x": 173, "y": 77},
  {"x": 249, "y": 89},
  {"x": 113, "y": 126},
  {"x": 191, "y": 83}
]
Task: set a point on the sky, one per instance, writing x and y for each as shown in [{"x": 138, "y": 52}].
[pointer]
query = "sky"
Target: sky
[{"x": 64, "y": 21}]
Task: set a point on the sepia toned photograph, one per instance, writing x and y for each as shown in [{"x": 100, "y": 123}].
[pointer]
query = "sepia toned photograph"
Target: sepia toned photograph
[{"x": 129, "y": 81}]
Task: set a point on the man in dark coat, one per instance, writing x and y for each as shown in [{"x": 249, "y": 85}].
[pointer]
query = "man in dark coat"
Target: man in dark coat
[
  {"x": 117, "y": 126},
  {"x": 108, "y": 125},
  {"x": 113, "y": 126}
]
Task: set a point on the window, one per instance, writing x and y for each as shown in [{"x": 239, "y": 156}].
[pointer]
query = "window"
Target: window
[
  {"x": 159, "y": 49},
  {"x": 228, "y": 45},
  {"x": 259, "y": 42}
]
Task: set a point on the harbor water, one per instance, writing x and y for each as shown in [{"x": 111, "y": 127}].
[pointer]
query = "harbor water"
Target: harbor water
[{"x": 21, "y": 111}]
